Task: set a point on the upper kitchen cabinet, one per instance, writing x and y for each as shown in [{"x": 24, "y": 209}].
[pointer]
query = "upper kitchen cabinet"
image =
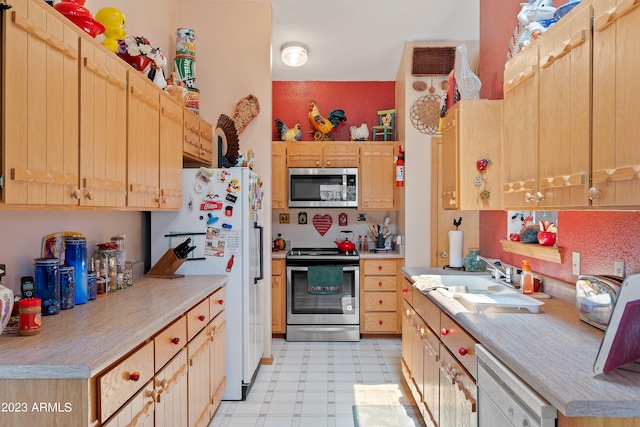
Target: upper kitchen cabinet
[
  {"x": 616, "y": 106},
  {"x": 143, "y": 142},
  {"x": 279, "y": 176},
  {"x": 103, "y": 127},
  {"x": 323, "y": 154},
  {"x": 565, "y": 111},
  {"x": 198, "y": 140},
  {"x": 39, "y": 107},
  {"x": 471, "y": 156},
  {"x": 171, "y": 132},
  {"x": 520, "y": 129},
  {"x": 377, "y": 177}
]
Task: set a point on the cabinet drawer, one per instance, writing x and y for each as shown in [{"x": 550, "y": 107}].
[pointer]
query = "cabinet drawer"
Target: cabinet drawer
[
  {"x": 407, "y": 290},
  {"x": 380, "y": 322},
  {"x": 169, "y": 342},
  {"x": 380, "y": 283},
  {"x": 380, "y": 301},
  {"x": 427, "y": 309},
  {"x": 277, "y": 268},
  {"x": 217, "y": 302},
  {"x": 461, "y": 344},
  {"x": 380, "y": 267},
  {"x": 197, "y": 319},
  {"x": 116, "y": 386}
]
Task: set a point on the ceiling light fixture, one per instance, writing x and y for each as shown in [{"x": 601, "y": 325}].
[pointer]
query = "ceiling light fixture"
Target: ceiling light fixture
[{"x": 294, "y": 54}]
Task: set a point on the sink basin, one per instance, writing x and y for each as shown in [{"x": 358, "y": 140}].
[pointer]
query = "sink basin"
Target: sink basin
[{"x": 477, "y": 293}]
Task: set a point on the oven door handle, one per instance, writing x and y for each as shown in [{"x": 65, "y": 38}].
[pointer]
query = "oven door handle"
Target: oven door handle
[{"x": 302, "y": 268}]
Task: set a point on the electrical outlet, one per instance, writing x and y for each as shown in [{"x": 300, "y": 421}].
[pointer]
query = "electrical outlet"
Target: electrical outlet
[
  {"x": 618, "y": 268},
  {"x": 575, "y": 263}
]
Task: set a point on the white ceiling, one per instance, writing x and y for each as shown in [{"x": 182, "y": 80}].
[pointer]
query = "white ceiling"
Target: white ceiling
[{"x": 362, "y": 40}]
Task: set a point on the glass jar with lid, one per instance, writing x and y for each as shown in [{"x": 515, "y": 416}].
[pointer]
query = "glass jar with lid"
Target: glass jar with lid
[
  {"x": 104, "y": 265},
  {"x": 47, "y": 284},
  {"x": 472, "y": 261}
]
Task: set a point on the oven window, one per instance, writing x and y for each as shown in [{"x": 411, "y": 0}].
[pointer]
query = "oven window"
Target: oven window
[
  {"x": 309, "y": 187},
  {"x": 306, "y": 299}
]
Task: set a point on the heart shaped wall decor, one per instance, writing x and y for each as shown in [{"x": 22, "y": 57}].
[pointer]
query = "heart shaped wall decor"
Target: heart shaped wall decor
[{"x": 322, "y": 223}]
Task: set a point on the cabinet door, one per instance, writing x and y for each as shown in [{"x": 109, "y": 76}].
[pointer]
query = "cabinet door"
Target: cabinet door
[
  {"x": 198, "y": 379},
  {"x": 341, "y": 155},
  {"x": 217, "y": 361},
  {"x": 139, "y": 412},
  {"x": 144, "y": 142},
  {"x": 407, "y": 334},
  {"x": 206, "y": 143},
  {"x": 304, "y": 154},
  {"x": 191, "y": 135},
  {"x": 520, "y": 130},
  {"x": 171, "y": 393},
  {"x": 450, "y": 155},
  {"x": 615, "y": 155},
  {"x": 417, "y": 358},
  {"x": 457, "y": 393},
  {"x": 279, "y": 176},
  {"x": 565, "y": 111},
  {"x": 278, "y": 296},
  {"x": 170, "y": 153},
  {"x": 377, "y": 177},
  {"x": 103, "y": 127},
  {"x": 40, "y": 106},
  {"x": 431, "y": 375}
]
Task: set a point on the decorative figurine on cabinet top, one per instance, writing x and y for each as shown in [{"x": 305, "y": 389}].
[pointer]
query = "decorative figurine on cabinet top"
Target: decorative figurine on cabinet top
[
  {"x": 359, "y": 133},
  {"x": 114, "y": 24},
  {"x": 321, "y": 125},
  {"x": 288, "y": 134}
]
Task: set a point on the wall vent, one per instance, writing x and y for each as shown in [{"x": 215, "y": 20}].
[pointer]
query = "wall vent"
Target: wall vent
[{"x": 433, "y": 61}]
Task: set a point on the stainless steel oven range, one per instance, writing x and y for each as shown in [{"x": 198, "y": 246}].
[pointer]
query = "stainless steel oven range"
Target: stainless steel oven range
[{"x": 323, "y": 295}]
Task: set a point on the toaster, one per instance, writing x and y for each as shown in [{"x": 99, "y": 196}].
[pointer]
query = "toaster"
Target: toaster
[{"x": 595, "y": 298}]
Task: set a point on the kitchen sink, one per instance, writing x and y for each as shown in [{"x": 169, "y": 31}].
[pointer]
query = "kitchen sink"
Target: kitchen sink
[{"x": 477, "y": 293}]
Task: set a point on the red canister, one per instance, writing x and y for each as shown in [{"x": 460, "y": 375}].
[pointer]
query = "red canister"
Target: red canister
[{"x": 30, "y": 316}]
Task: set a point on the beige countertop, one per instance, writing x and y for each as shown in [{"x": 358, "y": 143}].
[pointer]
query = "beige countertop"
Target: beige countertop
[
  {"x": 552, "y": 351},
  {"x": 83, "y": 341}
]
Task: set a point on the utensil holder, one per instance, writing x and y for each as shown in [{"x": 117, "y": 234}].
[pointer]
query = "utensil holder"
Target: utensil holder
[{"x": 166, "y": 266}]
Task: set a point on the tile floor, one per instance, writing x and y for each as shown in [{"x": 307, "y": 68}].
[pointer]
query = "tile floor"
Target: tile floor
[{"x": 315, "y": 384}]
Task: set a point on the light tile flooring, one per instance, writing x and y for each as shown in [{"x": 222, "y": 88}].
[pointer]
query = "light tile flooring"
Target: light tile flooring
[{"x": 315, "y": 384}]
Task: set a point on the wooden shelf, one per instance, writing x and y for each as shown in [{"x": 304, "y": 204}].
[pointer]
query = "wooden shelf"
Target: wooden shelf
[{"x": 545, "y": 253}]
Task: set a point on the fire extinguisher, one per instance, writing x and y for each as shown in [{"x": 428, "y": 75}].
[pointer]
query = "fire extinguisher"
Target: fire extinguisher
[{"x": 400, "y": 167}]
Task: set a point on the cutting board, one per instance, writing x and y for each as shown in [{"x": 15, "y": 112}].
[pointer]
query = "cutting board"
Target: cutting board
[{"x": 513, "y": 300}]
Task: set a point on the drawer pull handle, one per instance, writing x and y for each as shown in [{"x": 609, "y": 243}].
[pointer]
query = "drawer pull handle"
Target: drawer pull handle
[
  {"x": 463, "y": 351},
  {"x": 202, "y": 318},
  {"x": 379, "y": 267},
  {"x": 405, "y": 291},
  {"x": 220, "y": 301},
  {"x": 381, "y": 322},
  {"x": 380, "y": 302},
  {"x": 175, "y": 340},
  {"x": 134, "y": 376},
  {"x": 380, "y": 284},
  {"x": 444, "y": 331}
]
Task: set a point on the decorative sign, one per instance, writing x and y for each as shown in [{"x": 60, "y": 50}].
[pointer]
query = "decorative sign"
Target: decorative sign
[{"x": 322, "y": 223}]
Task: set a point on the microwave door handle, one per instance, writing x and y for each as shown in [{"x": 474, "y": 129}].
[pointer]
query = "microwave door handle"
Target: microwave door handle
[{"x": 344, "y": 187}]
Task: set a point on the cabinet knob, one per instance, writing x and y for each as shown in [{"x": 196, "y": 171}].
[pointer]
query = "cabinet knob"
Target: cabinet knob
[
  {"x": 539, "y": 196},
  {"x": 405, "y": 291},
  {"x": 202, "y": 318},
  {"x": 328, "y": 163},
  {"x": 76, "y": 194},
  {"x": 462, "y": 351},
  {"x": 594, "y": 193},
  {"x": 528, "y": 197},
  {"x": 175, "y": 340},
  {"x": 380, "y": 284},
  {"x": 380, "y": 302},
  {"x": 317, "y": 163},
  {"x": 444, "y": 331},
  {"x": 134, "y": 376},
  {"x": 381, "y": 322},
  {"x": 379, "y": 267},
  {"x": 89, "y": 195},
  {"x": 220, "y": 301}
]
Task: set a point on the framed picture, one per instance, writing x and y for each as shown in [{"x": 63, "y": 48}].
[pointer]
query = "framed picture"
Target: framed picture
[{"x": 302, "y": 218}]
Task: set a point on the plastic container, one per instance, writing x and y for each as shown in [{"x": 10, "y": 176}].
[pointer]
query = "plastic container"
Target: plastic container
[
  {"x": 526, "y": 278},
  {"x": 76, "y": 256},
  {"x": 30, "y": 316},
  {"x": 47, "y": 284},
  {"x": 67, "y": 287}
]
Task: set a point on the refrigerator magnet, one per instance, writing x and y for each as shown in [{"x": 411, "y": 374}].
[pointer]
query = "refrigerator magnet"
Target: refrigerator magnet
[
  {"x": 228, "y": 211},
  {"x": 233, "y": 186},
  {"x": 231, "y": 198}
]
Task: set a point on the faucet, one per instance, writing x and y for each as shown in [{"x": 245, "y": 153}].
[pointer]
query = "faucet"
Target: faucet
[{"x": 499, "y": 269}]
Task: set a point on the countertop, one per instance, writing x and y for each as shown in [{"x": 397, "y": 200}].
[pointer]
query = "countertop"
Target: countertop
[
  {"x": 552, "y": 351},
  {"x": 83, "y": 341}
]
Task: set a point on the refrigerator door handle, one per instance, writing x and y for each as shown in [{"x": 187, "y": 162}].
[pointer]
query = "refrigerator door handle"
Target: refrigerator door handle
[{"x": 261, "y": 255}]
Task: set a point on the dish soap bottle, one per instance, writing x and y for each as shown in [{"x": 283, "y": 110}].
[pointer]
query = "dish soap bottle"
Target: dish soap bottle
[{"x": 526, "y": 278}]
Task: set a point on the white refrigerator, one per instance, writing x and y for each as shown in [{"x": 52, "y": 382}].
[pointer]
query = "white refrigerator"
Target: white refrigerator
[{"x": 220, "y": 213}]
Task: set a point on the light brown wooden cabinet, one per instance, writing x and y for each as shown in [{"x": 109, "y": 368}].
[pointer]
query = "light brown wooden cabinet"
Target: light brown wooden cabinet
[
  {"x": 472, "y": 132},
  {"x": 615, "y": 156},
  {"x": 278, "y": 296},
  {"x": 379, "y": 296},
  {"x": 217, "y": 361},
  {"x": 377, "y": 177},
  {"x": 323, "y": 154},
  {"x": 198, "y": 139},
  {"x": 171, "y": 129},
  {"x": 279, "y": 176}
]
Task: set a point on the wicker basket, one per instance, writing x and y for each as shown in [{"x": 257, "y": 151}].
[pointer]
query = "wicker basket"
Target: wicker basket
[{"x": 433, "y": 61}]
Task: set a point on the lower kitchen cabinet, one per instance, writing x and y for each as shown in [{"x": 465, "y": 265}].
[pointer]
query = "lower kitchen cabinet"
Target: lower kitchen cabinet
[
  {"x": 278, "y": 296},
  {"x": 379, "y": 296},
  {"x": 217, "y": 361},
  {"x": 171, "y": 393},
  {"x": 139, "y": 412},
  {"x": 198, "y": 379},
  {"x": 457, "y": 393}
]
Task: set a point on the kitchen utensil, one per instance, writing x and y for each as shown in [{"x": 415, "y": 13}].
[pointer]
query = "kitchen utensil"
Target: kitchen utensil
[
  {"x": 343, "y": 242},
  {"x": 595, "y": 299},
  {"x": 374, "y": 230}
]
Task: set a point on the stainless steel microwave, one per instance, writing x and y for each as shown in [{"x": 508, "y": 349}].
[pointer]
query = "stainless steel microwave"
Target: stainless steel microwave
[{"x": 323, "y": 187}]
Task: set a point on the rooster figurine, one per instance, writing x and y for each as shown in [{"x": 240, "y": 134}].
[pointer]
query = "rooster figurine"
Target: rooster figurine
[
  {"x": 287, "y": 134},
  {"x": 321, "y": 125},
  {"x": 359, "y": 133}
]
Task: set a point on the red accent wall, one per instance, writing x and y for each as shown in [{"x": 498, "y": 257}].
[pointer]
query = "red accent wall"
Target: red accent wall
[
  {"x": 359, "y": 100},
  {"x": 601, "y": 237}
]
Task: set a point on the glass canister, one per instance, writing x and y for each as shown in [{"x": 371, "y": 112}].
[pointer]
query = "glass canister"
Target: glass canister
[
  {"x": 472, "y": 261},
  {"x": 47, "y": 284},
  {"x": 104, "y": 265},
  {"x": 128, "y": 274},
  {"x": 120, "y": 260},
  {"x": 93, "y": 286},
  {"x": 76, "y": 256},
  {"x": 67, "y": 287}
]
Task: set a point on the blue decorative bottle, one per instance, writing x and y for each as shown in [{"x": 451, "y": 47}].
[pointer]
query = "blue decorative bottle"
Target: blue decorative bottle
[{"x": 76, "y": 256}]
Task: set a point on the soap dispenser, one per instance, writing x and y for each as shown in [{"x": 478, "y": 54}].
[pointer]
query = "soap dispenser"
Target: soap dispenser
[{"x": 526, "y": 278}]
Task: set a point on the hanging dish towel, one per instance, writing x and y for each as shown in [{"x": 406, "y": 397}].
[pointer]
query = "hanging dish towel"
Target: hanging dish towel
[{"x": 324, "y": 280}]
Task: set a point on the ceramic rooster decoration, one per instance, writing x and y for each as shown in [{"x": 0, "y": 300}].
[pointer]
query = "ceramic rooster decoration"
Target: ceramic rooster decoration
[
  {"x": 288, "y": 134},
  {"x": 359, "y": 133},
  {"x": 321, "y": 125}
]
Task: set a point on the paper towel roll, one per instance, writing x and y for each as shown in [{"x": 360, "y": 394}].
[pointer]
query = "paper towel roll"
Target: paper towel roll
[{"x": 456, "y": 238}]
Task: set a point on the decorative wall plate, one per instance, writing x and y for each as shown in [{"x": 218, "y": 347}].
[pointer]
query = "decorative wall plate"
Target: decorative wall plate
[{"x": 425, "y": 114}]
